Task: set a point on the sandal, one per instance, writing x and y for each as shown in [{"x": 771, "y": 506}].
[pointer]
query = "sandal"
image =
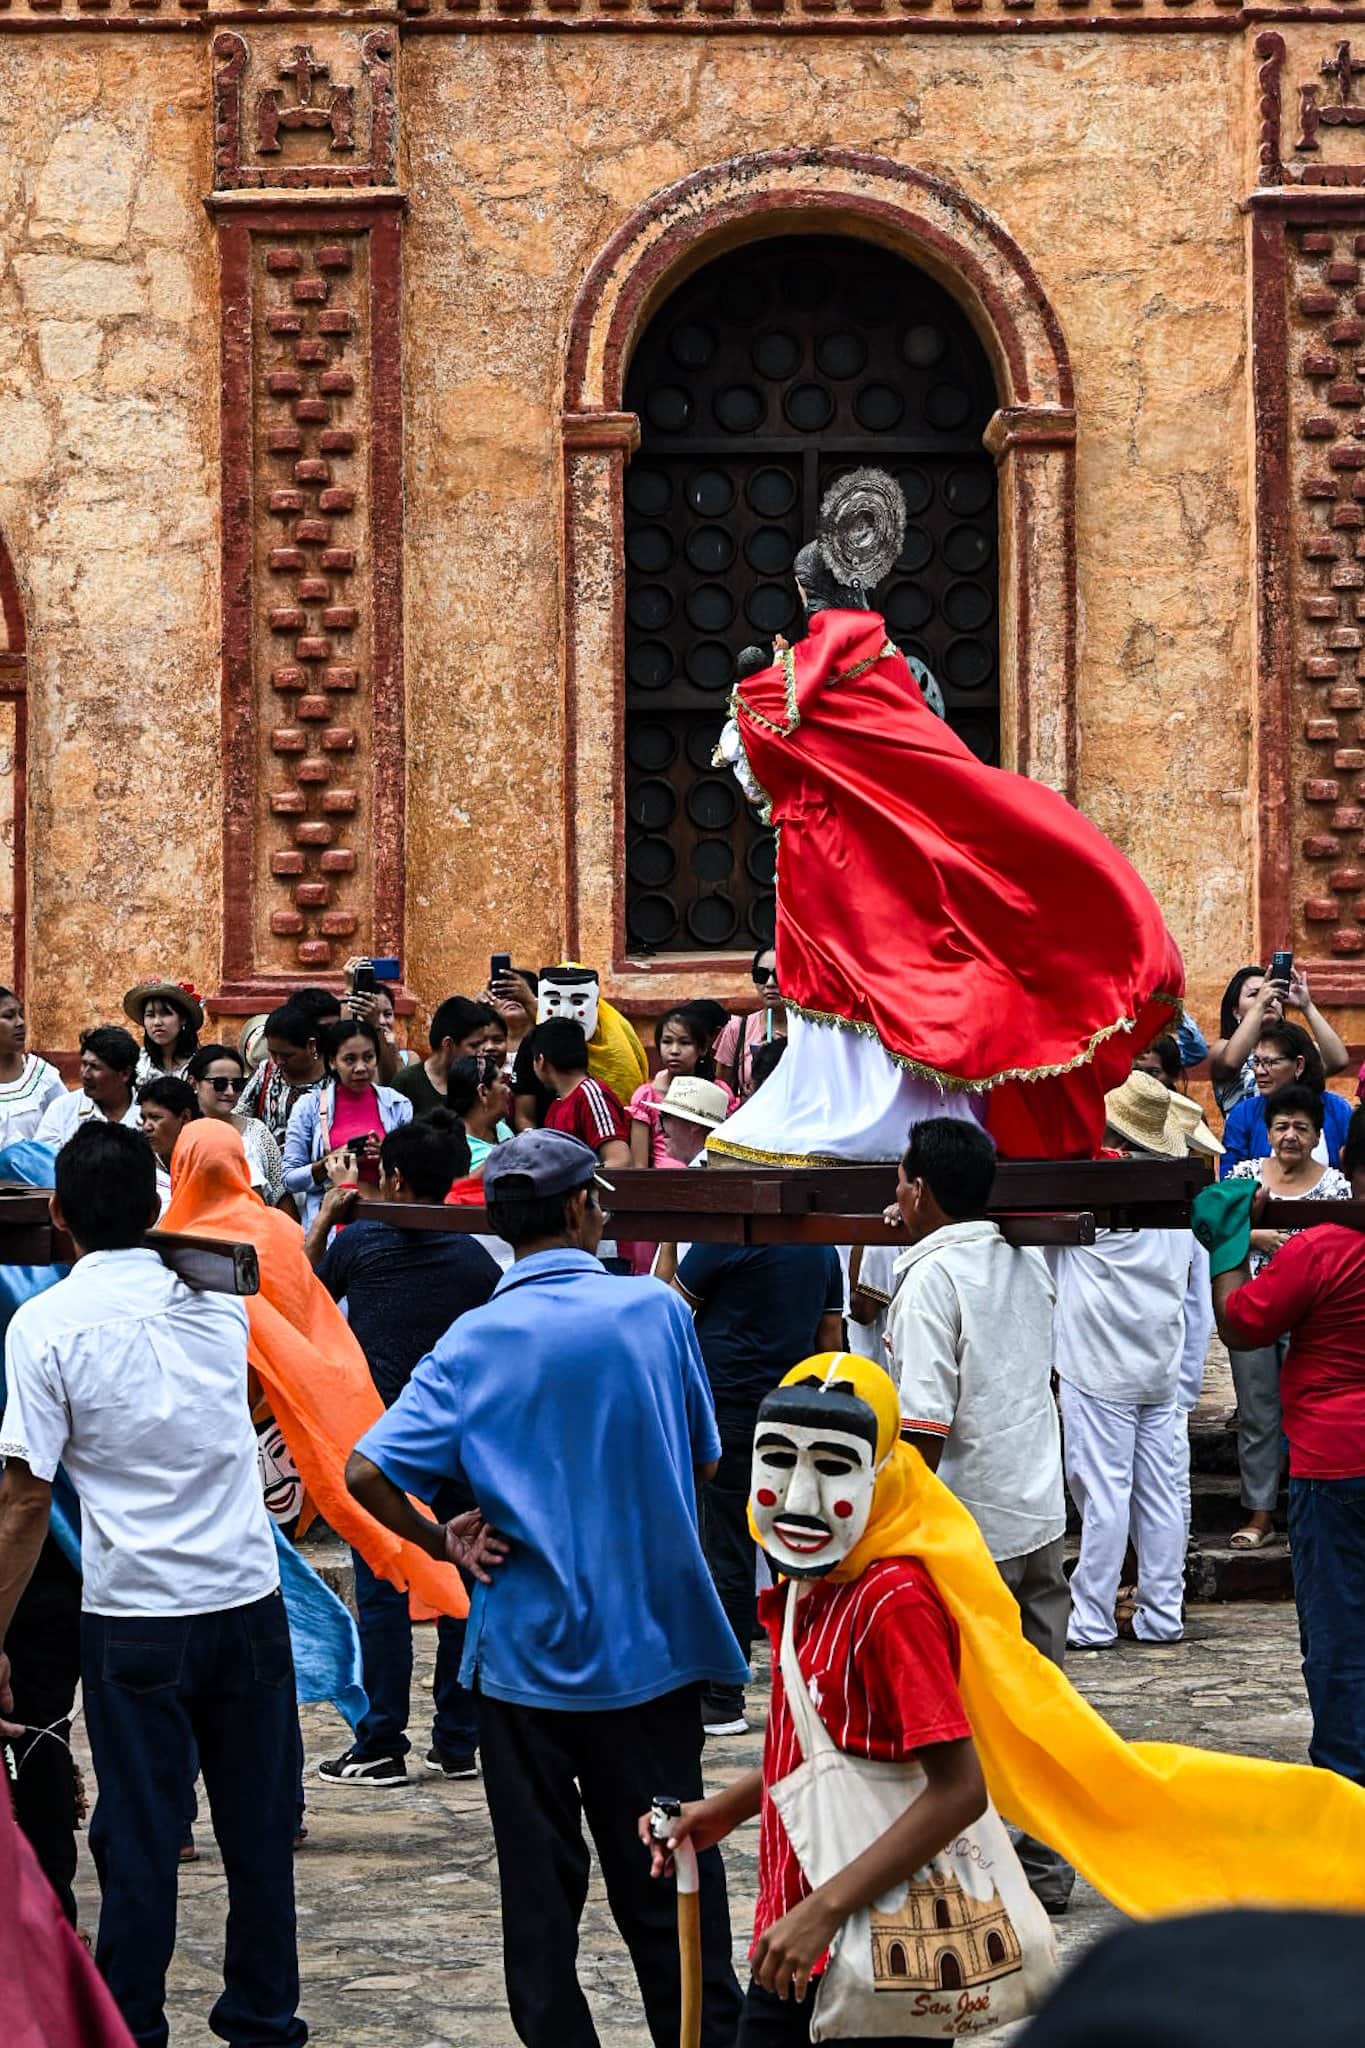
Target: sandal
[{"x": 1250, "y": 1539}]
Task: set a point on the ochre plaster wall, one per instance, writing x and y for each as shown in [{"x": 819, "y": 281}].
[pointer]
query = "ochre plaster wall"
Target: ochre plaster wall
[
  {"x": 1116, "y": 162},
  {"x": 108, "y": 501}
]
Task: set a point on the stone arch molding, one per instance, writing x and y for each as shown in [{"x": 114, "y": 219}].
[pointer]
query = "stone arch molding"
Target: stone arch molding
[{"x": 925, "y": 218}]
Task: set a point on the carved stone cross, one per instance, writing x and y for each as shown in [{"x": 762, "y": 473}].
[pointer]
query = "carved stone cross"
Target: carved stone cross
[{"x": 274, "y": 112}]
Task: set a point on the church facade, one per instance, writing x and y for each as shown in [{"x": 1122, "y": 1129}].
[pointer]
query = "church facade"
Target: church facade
[{"x": 408, "y": 413}]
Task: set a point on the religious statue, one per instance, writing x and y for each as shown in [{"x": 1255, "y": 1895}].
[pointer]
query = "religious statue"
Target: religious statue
[{"x": 952, "y": 939}]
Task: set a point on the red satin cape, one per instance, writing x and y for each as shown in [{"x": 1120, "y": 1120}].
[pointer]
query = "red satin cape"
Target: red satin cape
[{"x": 987, "y": 933}]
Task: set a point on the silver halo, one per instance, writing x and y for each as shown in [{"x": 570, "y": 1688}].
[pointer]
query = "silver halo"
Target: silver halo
[{"x": 862, "y": 527}]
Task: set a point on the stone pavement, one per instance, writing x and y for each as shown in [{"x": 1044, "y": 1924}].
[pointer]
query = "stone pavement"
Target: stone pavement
[{"x": 399, "y": 1930}]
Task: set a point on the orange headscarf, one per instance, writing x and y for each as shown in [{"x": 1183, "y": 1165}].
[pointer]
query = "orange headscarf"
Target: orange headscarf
[{"x": 301, "y": 1346}]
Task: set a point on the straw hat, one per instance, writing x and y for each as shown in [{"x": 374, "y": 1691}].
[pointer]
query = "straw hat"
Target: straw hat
[
  {"x": 696, "y": 1101},
  {"x": 179, "y": 994},
  {"x": 1196, "y": 1133},
  {"x": 1140, "y": 1111}
]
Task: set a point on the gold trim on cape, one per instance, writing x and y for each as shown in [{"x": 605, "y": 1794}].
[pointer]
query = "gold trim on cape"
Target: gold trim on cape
[{"x": 954, "y": 1083}]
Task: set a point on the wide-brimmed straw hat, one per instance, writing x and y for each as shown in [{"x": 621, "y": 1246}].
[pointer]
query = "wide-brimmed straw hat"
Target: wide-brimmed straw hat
[
  {"x": 179, "y": 994},
  {"x": 1140, "y": 1111},
  {"x": 1196, "y": 1133},
  {"x": 696, "y": 1101}
]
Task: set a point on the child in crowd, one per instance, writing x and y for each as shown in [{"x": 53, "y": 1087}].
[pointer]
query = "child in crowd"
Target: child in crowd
[
  {"x": 585, "y": 1108},
  {"x": 878, "y": 1653},
  {"x": 684, "y": 1047}
]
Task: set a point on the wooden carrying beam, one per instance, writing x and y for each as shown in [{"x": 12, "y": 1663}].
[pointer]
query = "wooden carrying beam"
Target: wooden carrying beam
[
  {"x": 214, "y": 1265},
  {"x": 728, "y": 1226},
  {"x": 1282, "y": 1215}
]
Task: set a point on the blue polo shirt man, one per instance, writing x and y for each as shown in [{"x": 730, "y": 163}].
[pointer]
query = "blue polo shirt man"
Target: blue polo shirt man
[{"x": 575, "y": 1408}]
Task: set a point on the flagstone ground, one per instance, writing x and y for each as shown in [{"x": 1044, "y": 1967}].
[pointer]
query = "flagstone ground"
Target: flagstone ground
[{"x": 399, "y": 1933}]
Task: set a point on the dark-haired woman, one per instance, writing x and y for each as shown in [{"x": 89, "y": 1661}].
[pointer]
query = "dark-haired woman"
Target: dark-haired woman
[
  {"x": 1293, "y": 1116},
  {"x": 478, "y": 1094},
  {"x": 165, "y": 1105},
  {"x": 1284, "y": 1053},
  {"x": 683, "y": 1043},
  {"x": 217, "y": 1074},
  {"x": 27, "y": 1083},
  {"x": 1250, "y": 1001},
  {"x": 171, "y": 1018},
  {"x": 735, "y": 1046},
  {"x": 335, "y": 1133}
]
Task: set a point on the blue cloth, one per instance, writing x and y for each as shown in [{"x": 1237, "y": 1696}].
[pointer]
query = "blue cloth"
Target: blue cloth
[
  {"x": 386, "y": 1639},
  {"x": 327, "y": 1657},
  {"x": 574, "y": 1409},
  {"x": 758, "y": 1311},
  {"x": 326, "y": 1646},
  {"x": 1327, "y": 1546},
  {"x": 163, "y": 1695},
  {"x": 1245, "y": 1136},
  {"x": 403, "y": 1289},
  {"x": 1193, "y": 1045}
]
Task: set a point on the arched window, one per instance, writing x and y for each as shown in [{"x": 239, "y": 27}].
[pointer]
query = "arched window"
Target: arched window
[
  {"x": 942, "y": 1916},
  {"x": 995, "y": 1948},
  {"x": 895, "y": 1961},
  {"x": 764, "y": 376},
  {"x": 949, "y": 1971}
]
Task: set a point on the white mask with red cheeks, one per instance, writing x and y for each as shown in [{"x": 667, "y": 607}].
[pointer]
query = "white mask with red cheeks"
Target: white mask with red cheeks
[
  {"x": 813, "y": 1477},
  {"x": 571, "y": 992}
]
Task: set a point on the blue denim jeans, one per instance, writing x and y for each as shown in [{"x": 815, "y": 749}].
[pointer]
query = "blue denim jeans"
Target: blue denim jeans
[
  {"x": 1327, "y": 1540},
  {"x": 386, "y": 1649},
  {"x": 158, "y": 1689}
]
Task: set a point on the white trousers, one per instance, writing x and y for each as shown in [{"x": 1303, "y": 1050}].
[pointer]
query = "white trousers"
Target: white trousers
[{"x": 1121, "y": 1467}]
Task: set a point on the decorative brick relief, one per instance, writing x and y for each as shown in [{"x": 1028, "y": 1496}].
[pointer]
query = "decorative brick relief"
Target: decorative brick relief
[
  {"x": 312, "y": 642},
  {"x": 312, "y": 504},
  {"x": 1326, "y": 308},
  {"x": 304, "y": 120},
  {"x": 1312, "y": 129}
]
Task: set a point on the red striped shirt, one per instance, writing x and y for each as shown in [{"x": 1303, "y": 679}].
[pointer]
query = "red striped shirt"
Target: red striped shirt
[
  {"x": 880, "y": 1658},
  {"x": 590, "y": 1112}
]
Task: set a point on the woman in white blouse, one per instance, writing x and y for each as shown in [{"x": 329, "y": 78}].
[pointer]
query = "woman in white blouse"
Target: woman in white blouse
[
  {"x": 27, "y": 1083},
  {"x": 1293, "y": 1116}
]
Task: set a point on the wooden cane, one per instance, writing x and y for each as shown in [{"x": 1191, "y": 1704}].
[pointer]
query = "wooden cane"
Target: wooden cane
[{"x": 663, "y": 1818}]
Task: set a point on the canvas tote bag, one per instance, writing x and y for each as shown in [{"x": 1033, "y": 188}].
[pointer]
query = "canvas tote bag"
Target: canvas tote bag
[{"x": 961, "y": 1948}]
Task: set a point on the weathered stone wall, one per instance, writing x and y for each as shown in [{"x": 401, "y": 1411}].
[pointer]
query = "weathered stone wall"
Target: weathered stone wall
[
  {"x": 1115, "y": 162},
  {"x": 108, "y": 501}
]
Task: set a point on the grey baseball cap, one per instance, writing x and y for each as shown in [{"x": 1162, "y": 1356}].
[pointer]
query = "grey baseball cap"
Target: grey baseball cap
[{"x": 537, "y": 1163}]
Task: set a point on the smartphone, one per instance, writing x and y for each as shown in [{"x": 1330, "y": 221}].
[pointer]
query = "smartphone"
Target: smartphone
[
  {"x": 362, "y": 981},
  {"x": 355, "y": 1148},
  {"x": 500, "y": 965},
  {"x": 1281, "y": 967},
  {"x": 387, "y": 968}
]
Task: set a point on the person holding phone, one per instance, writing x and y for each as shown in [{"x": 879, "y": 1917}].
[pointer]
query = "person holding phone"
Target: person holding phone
[
  {"x": 1254, "y": 998},
  {"x": 369, "y": 995},
  {"x": 334, "y": 1134}
]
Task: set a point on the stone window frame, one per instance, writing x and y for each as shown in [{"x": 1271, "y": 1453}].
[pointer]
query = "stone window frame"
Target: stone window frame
[{"x": 1032, "y": 436}]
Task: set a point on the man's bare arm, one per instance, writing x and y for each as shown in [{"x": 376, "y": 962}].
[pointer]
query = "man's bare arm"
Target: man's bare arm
[{"x": 25, "y": 1508}]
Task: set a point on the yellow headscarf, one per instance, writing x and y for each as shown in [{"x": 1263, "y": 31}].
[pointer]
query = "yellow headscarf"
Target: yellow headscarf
[
  {"x": 615, "y": 1054},
  {"x": 1157, "y": 1828}
]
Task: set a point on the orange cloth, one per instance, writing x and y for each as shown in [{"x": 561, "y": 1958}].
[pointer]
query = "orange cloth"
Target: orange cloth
[{"x": 313, "y": 1371}]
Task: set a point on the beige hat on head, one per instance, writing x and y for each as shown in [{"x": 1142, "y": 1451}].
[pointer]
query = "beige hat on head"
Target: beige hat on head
[
  {"x": 1190, "y": 1122},
  {"x": 1140, "y": 1111},
  {"x": 696, "y": 1101}
]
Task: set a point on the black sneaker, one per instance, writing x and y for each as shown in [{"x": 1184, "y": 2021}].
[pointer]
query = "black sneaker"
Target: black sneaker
[
  {"x": 723, "y": 1714},
  {"x": 442, "y": 1765},
  {"x": 351, "y": 1769}
]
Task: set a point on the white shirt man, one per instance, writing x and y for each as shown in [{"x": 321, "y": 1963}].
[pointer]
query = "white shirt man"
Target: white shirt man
[
  {"x": 70, "y": 1111},
  {"x": 969, "y": 1334},
  {"x": 1120, "y": 1341},
  {"x": 136, "y": 1385}
]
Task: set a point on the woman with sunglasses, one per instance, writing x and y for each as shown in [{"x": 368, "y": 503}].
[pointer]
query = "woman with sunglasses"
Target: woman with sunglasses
[
  {"x": 217, "y": 1073},
  {"x": 734, "y": 1053}
]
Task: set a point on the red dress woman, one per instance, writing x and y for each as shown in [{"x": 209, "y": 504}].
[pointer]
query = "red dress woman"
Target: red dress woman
[{"x": 950, "y": 937}]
